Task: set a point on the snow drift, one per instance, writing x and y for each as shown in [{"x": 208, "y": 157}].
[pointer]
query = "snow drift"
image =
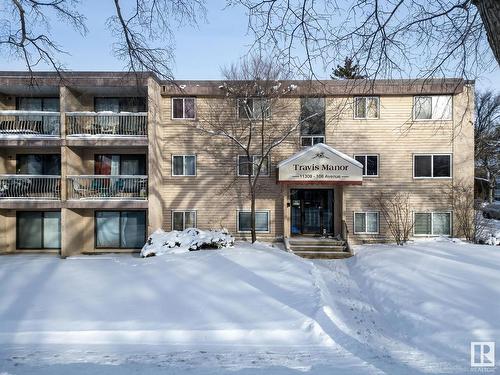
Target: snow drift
[{"x": 175, "y": 242}]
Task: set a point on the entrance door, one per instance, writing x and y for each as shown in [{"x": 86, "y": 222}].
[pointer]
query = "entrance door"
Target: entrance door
[{"x": 312, "y": 211}]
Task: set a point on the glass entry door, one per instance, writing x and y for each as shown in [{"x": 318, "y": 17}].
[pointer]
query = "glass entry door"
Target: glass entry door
[{"x": 312, "y": 211}]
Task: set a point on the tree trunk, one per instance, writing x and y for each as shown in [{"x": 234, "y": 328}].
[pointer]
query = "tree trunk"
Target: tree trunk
[
  {"x": 489, "y": 10},
  {"x": 252, "y": 216}
]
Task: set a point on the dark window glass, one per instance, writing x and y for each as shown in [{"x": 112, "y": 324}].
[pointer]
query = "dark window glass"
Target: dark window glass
[
  {"x": 178, "y": 165},
  {"x": 178, "y": 104},
  {"x": 248, "y": 166},
  {"x": 116, "y": 105},
  {"x": 423, "y": 166},
  {"x": 261, "y": 221},
  {"x": 312, "y": 116},
  {"x": 245, "y": 166},
  {"x": 189, "y": 108},
  {"x": 38, "y": 230},
  {"x": 422, "y": 223},
  {"x": 38, "y": 104},
  {"x": 41, "y": 164},
  {"x": 442, "y": 166},
  {"x": 371, "y": 165},
  {"x": 126, "y": 164},
  {"x": 120, "y": 229}
]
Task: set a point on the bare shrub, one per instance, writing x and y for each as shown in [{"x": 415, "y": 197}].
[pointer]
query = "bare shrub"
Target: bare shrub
[{"x": 396, "y": 210}]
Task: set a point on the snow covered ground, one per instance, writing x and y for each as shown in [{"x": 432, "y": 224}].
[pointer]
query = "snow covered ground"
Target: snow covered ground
[{"x": 250, "y": 310}]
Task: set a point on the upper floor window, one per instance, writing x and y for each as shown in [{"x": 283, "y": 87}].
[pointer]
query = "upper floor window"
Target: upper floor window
[
  {"x": 312, "y": 121},
  {"x": 39, "y": 164},
  {"x": 366, "y": 107},
  {"x": 437, "y": 107},
  {"x": 38, "y": 104},
  {"x": 249, "y": 166},
  {"x": 124, "y": 164},
  {"x": 253, "y": 108},
  {"x": 370, "y": 164},
  {"x": 117, "y": 105},
  {"x": 432, "y": 166},
  {"x": 183, "y": 165},
  {"x": 184, "y": 108}
]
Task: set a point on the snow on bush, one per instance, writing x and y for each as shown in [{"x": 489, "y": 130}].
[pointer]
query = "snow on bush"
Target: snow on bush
[
  {"x": 490, "y": 232},
  {"x": 190, "y": 239}
]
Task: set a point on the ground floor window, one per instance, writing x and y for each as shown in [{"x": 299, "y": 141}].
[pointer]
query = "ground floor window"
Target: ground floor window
[
  {"x": 38, "y": 230},
  {"x": 432, "y": 223},
  {"x": 366, "y": 222},
  {"x": 183, "y": 219},
  {"x": 120, "y": 229},
  {"x": 261, "y": 221}
]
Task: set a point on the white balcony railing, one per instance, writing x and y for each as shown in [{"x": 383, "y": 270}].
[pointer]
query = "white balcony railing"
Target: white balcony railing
[
  {"x": 107, "y": 187},
  {"x": 24, "y": 186},
  {"x": 107, "y": 124},
  {"x": 30, "y": 123}
]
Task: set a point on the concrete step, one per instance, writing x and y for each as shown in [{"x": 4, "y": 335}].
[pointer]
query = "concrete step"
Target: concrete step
[
  {"x": 313, "y": 242},
  {"x": 323, "y": 254},
  {"x": 317, "y": 247}
]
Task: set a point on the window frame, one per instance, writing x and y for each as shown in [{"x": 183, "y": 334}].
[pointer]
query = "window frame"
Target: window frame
[
  {"x": 432, "y": 166},
  {"x": 366, "y": 212},
  {"x": 183, "y": 118},
  {"x": 364, "y": 165},
  {"x": 432, "y": 223},
  {"x": 42, "y": 217},
  {"x": 268, "y": 211},
  {"x": 184, "y": 165},
  {"x": 120, "y": 102},
  {"x": 414, "y": 118},
  {"x": 44, "y": 165},
  {"x": 183, "y": 217},
  {"x": 268, "y": 117},
  {"x": 42, "y": 98},
  {"x": 366, "y": 108},
  {"x": 312, "y": 139},
  {"x": 120, "y": 229},
  {"x": 253, "y": 166}
]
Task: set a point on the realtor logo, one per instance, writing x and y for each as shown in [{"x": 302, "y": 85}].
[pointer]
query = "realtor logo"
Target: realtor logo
[{"x": 482, "y": 354}]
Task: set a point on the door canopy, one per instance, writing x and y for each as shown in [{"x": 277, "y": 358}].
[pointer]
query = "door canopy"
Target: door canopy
[{"x": 320, "y": 164}]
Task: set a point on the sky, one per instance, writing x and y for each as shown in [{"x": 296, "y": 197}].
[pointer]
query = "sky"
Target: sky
[{"x": 200, "y": 52}]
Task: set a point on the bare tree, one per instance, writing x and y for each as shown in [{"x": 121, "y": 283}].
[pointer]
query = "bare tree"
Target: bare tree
[
  {"x": 387, "y": 37},
  {"x": 396, "y": 210},
  {"x": 143, "y": 31},
  {"x": 487, "y": 138},
  {"x": 254, "y": 97}
]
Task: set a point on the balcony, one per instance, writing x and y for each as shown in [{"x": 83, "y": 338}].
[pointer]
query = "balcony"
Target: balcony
[
  {"x": 107, "y": 124},
  {"x": 29, "y": 124},
  {"x": 18, "y": 186},
  {"x": 105, "y": 187}
]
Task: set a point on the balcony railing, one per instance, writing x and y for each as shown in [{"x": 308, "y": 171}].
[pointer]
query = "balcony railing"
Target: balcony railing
[
  {"x": 30, "y": 123},
  {"x": 106, "y": 124},
  {"x": 24, "y": 186},
  {"x": 107, "y": 187}
]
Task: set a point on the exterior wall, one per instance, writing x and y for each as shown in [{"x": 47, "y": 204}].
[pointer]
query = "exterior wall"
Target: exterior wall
[{"x": 216, "y": 192}]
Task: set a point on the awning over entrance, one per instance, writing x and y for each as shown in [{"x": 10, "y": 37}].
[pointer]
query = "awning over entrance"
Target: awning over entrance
[{"x": 320, "y": 164}]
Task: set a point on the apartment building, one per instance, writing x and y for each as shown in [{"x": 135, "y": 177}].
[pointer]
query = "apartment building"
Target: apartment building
[{"x": 94, "y": 162}]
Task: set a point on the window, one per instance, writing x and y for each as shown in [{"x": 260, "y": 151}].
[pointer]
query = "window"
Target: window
[
  {"x": 38, "y": 229},
  {"x": 310, "y": 140},
  {"x": 432, "y": 223},
  {"x": 126, "y": 164},
  {"x": 183, "y": 165},
  {"x": 253, "y": 108},
  {"x": 438, "y": 107},
  {"x": 312, "y": 121},
  {"x": 261, "y": 221},
  {"x": 120, "y": 229},
  {"x": 183, "y": 219},
  {"x": 183, "y": 108},
  {"x": 248, "y": 166},
  {"x": 39, "y": 164},
  {"x": 116, "y": 105},
  {"x": 370, "y": 164},
  {"x": 366, "y": 107},
  {"x": 432, "y": 166},
  {"x": 366, "y": 222},
  {"x": 38, "y": 104}
]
